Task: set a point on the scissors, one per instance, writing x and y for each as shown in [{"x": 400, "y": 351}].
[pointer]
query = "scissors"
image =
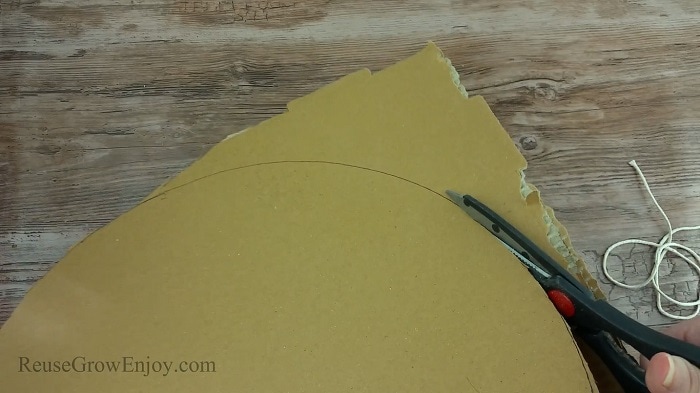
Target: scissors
[{"x": 598, "y": 323}]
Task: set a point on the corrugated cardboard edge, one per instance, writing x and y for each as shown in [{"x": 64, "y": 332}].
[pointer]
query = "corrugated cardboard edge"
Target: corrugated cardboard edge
[
  {"x": 556, "y": 233},
  {"x": 559, "y": 239}
]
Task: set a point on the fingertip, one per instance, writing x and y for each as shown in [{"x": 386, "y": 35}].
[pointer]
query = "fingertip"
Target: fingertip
[{"x": 659, "y": 373}]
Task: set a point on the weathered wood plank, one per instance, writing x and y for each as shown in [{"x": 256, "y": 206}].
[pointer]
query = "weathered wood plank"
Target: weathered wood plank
[{"x": 102, "y": 101}]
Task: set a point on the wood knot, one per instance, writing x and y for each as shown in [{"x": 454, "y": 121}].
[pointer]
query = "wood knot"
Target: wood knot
[
  {"x": 528, "y": 142},
  {"x": 546, "y": 91}
]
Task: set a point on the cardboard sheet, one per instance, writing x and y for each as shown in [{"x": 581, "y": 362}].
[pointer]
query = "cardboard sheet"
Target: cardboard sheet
[{"x": 314, "y": 252}]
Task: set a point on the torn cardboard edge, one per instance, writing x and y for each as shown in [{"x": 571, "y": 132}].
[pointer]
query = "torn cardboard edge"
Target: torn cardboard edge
[{"x": 559, "y": 238}]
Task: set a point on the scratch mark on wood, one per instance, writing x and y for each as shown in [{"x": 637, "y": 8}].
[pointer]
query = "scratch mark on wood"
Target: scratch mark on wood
[
  {"x": 78, "y": 53},
  {"x": 113, "y": 131},
  {"x": 18, "y": 55}
]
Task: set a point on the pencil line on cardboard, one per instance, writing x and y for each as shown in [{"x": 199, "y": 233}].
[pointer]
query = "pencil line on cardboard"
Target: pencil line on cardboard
[{"x": 293, "y": 162}]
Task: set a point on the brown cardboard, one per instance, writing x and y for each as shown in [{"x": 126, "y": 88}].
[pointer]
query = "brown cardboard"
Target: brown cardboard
[{"x": 316, "y": 252}]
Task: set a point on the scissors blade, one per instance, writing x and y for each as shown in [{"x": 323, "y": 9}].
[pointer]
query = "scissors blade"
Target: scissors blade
[
  {"x": 508, "y": 241},
  {"x": 546, "y": 267}
]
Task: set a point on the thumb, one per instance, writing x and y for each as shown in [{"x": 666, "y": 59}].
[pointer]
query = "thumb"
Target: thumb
[{"x": 671, "y": 374}]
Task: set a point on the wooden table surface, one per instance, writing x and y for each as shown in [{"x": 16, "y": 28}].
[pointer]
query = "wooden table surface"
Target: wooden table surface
[{"x": 102, "y": 101}]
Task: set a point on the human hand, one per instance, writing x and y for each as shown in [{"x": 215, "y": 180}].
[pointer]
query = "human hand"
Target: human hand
[{"x": 671, "y": 374}]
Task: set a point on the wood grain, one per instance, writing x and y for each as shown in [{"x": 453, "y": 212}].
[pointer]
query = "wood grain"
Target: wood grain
[{"x": 102, "y": 101}]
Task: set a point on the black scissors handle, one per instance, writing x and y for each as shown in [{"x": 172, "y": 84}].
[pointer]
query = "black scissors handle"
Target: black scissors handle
[
  {"x": 597, "y": 322},
  {"x": 598, "y": 315}
]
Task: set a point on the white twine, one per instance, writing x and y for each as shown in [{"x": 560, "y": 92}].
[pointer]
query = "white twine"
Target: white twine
[{"x": 665, "y": 245}]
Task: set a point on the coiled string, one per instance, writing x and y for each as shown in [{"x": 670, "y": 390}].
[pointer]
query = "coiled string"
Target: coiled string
[{"x": 664, "y": 246}]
